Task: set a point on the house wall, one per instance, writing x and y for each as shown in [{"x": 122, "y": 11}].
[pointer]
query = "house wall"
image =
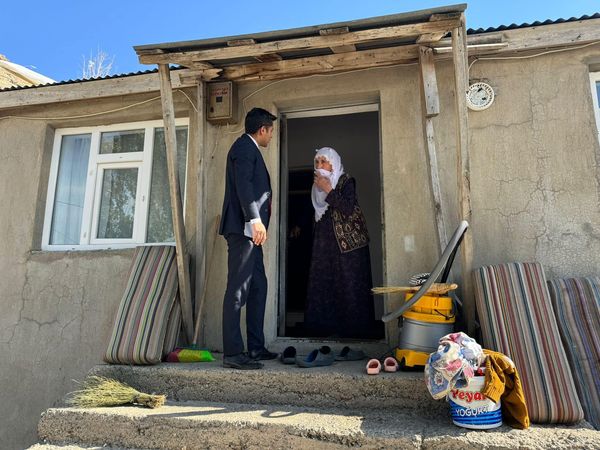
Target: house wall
[
  {"x": 57, "y": 307},
  {"x": 534, "y": 156},
  {"x": 396, "y": 90},
  {"x": 535, "y": 186},
  {"x": 535, "y": 166}
]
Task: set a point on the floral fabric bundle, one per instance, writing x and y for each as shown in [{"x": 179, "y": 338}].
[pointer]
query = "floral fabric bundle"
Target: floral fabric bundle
[{"x": 453, "y": 365}]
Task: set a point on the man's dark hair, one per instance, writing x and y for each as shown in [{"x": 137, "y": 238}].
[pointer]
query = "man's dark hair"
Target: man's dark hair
[{"x": 256, "y": 118}]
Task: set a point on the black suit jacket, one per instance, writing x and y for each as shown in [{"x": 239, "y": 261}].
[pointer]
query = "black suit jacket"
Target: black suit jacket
[{"x": 247, "y": 187}]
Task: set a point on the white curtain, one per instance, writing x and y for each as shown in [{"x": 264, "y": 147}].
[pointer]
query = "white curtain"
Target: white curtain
[
  {"x": 160, "y": 221},
  {"x": 70, "y": 189}
]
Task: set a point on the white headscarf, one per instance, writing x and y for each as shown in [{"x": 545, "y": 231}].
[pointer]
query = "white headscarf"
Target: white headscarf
[{"x": 317, "y": 195}]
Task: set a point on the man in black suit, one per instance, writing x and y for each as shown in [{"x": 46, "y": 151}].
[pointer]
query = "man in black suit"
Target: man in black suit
[{"x": 244, "y": 223}]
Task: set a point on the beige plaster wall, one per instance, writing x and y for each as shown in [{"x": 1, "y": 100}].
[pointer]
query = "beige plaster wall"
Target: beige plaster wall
[
  {"x": 535, "y": 166},
  {"x": 405, "y": 186},
  {"x": 534, "y": 156},
  {"x": 57, "y": 307},
  {"x": 535, "y": 187}
]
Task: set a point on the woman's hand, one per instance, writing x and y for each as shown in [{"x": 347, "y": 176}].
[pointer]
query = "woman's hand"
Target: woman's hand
[{"x": 322, "y": 183}]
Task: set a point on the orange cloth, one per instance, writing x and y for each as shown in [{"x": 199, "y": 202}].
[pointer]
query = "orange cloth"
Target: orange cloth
[{"x": 502, "y": 382}]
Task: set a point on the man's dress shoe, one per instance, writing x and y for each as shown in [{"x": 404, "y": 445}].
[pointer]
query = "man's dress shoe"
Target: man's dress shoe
[
  {"x": 241, "y": 362},
  {"x": 262, "y": 354}
]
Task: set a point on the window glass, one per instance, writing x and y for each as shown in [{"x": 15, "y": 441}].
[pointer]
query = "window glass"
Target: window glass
[
  {"x": 115, "y": 165},
  {"x": 160, "y": 221},
  {"x": 122, "y": 141},
  {"x": 70, "y": 189},
  {"x": 117, "y": 203}
]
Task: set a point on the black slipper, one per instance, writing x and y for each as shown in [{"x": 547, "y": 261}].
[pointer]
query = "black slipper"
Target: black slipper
[
  {"x": 347, "y": 354},
  {"x": 288, "y": 356}
]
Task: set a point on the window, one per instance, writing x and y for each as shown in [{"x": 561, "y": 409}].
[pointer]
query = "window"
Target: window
[
  {"x": 595, "y": 79},
  {"x": 109, "y": 186}
]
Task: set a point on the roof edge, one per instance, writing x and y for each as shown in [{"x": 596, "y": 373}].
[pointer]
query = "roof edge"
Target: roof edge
[{"x": 296, "y": 32}]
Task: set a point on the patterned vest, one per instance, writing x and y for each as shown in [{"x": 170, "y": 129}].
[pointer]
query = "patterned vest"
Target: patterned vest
[{"x": 350, "y": 231}]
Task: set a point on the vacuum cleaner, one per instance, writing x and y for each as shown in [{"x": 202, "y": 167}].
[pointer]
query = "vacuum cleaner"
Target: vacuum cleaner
[{"x": 427, "y": 317}]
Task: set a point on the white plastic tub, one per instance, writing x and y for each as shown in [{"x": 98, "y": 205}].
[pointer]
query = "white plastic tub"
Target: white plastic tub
[{"x": 471, "y": 409}]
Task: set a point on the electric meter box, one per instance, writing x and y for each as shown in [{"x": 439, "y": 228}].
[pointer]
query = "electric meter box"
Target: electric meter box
[{"x": 221, "y": 105}]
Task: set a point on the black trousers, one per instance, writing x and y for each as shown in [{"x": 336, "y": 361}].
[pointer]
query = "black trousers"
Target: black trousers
[{"x": 246, "y": 285}]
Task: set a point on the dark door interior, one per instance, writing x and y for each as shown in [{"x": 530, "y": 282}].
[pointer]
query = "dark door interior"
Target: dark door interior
[{"x": 356, "y": 138}]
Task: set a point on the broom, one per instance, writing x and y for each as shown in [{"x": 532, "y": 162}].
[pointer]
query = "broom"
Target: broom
[
  {"x": 100, "y": 391},
  {"x": 436, "y": 288},
  {"x": 193, "y": 353}
]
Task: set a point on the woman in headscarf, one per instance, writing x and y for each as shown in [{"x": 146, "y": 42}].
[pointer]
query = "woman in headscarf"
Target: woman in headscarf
[{"x": 339, "y": 300}]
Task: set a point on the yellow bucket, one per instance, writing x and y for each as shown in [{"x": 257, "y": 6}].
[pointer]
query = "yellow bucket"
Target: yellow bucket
[{"x": 430, "y": 308}]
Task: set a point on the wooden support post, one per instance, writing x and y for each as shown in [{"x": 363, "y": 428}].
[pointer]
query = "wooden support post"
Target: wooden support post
[
  {"x": 429, "y": 88},
  {"x": 168, "y": 109},
  {"x": 461, "y": 82},
  {"x": 431, "y": 107},
  {"x": 201, "y": 222}
]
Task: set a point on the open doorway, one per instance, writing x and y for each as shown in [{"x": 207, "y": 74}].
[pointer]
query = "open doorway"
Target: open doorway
[{"x": 355, "y": 134}]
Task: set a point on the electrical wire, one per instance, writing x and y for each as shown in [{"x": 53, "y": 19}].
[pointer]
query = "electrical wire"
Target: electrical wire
[
  {"x": 244, "y": 108},
  {"x": 490, "y": 58},
  {"x": 195, "y": 107},
  {"x": 110, "y": 111}
]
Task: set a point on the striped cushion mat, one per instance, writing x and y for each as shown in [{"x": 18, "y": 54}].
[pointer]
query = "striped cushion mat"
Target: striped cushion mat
[
  {"x": 517, "y": 319},
  {"x": 576, "y": 304},
  {"x": 173, "y": 328},
  {"x": 140, "y": 326}
]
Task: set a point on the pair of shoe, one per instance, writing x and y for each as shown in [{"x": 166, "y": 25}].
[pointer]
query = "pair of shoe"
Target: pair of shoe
[
  {"x": 321, "y": 357},
  {"x": 241, "y": 361},
  {"x": 250, "y": 361},
  {"x": 317, "y": 358},
  {"x": 389, "y": 365}
]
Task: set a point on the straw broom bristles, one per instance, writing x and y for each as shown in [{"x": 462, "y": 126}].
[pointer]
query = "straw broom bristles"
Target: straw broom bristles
[
  {"x": 100, "y": 391},
  {"x": 436, "y": 288}
]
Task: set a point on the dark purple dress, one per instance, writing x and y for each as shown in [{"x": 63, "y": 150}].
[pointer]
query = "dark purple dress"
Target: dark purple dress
[{"x": 339, "y": 300}]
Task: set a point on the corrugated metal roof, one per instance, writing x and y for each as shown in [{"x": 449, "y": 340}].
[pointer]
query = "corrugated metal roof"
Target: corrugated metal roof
[
  {"x": 59, "y": 83},
  {"x": 215, "y": 41},
  {"x": 514, "y": 26}
]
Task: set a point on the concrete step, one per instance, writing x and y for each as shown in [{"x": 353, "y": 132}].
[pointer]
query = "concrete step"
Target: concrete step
[
  {"x": 343, "y": 384},
  {"x": 72, "y": 447},
  {"x": 195, "y": 425}
]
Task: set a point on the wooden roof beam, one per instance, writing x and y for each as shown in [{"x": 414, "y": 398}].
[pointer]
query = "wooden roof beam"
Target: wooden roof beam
[
  {"x": 202, "y": 65},
  {"x": 337, "y": 31},
  {"x": 343, "y": 48},
  {"x": 434, "y": 37},
  {"x": 192, "y": 77},
  {"x": 322, "y": 64},
  {"x": 268, "y": 58},
  {"x": 325, "y": 41},
  {"x": 430, "y": 37}
]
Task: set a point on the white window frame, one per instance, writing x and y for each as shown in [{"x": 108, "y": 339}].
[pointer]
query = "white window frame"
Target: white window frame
[
  {"x": 97, "y": 163},
  {"x": 595, "y": 78}
]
